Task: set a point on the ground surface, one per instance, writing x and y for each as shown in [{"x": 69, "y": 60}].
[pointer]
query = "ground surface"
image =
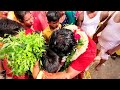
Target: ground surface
[{"x": 111, "y": 70}]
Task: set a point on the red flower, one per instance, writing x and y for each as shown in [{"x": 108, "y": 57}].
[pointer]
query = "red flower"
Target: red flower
[
  {"x": 28, "y": 31},
  {"x": 76, "y": 36}
]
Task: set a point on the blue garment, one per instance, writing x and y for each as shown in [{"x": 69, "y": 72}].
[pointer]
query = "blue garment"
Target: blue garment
[{"x": 71, "y": 17}]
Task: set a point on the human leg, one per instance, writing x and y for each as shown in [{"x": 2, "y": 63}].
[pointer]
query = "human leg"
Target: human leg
[
  {"x": 99, "y": 64},
  {"x": 103, "y": 57}
]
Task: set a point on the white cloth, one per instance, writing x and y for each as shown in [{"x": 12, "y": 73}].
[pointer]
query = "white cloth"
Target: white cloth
[
  {"x": 90, "y": 25},
  {"x": 102, "y": 54},
  {"x": 110, "y": 36}
]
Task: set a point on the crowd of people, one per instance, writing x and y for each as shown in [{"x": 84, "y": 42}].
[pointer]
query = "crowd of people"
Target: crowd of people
[{"x": 63, "y": 31}]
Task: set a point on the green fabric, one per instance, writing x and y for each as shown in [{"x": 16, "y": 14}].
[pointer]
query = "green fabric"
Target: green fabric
[{"x": 71, "y": 17}]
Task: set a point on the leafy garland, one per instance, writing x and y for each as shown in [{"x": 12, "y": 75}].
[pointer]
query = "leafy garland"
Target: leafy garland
[
  {"x": 69, "y": 57},
  {"x": 23, "y": 51},
  {"x": 82, "y": 43}
]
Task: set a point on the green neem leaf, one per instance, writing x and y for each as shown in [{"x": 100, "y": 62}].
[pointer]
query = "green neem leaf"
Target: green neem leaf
[{"x": 23, "y": 51}]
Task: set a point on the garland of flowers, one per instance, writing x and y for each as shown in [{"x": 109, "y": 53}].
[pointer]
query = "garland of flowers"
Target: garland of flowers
[{"x": 82, "y": 45}]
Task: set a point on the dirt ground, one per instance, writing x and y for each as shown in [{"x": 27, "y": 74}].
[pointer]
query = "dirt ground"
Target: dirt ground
[{"x": 111, "y": 70}]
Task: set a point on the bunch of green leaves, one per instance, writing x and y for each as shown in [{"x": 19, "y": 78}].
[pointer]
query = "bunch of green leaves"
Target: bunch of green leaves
[{"x": 23, "y": 51}]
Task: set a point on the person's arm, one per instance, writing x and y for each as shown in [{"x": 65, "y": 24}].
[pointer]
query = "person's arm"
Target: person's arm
[
  {"x": 103, "y": 16},
  {"x": 80, "y": 19},
  {"x": 111, "y": 51},
  {"x": 36, "y": 70},
  {"x": 68, "y": 74}
]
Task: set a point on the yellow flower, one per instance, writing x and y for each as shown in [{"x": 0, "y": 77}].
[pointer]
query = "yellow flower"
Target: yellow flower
[{"x": 78, "y": 46}]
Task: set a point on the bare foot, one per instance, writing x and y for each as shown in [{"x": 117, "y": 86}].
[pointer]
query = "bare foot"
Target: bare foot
[{"x": 97, "y": 68}]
